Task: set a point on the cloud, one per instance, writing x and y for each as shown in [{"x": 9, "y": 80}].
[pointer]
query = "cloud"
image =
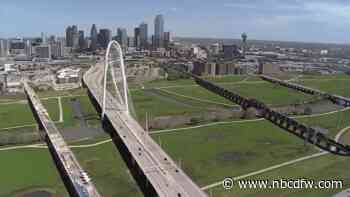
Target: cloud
[
  {"x": 262, "y": 4},
  {"x": 318, "y": 11},
  {"x": 328, "y": 9},
  {"x": 174, "y": 9}
]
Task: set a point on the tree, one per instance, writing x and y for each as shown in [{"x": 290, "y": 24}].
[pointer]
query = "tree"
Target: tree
[
  {"x": 308, "y": 111},
  {"x": 195, "y": 120},
  {"x": 249, "y": 113}
]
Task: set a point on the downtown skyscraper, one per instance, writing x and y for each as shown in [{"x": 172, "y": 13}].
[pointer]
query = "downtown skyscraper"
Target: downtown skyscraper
[
  {"x": 158, "y": 31},
  {"x": 75, "y": 37},
  {"x": 3, "y": 48},
  {"x": 69, "y": 42},
  {"x": 81, "y": 39},
  {"x": 72, "y": 37},
  {"x": 28, "y": 48},
  {"x": 137, "y": 37},
  {"x": 104, "y": 37},
  {"x": 143, "y": 36},
  {"x": 93, "y": 37},
  {"x": 122, "y": 37}
]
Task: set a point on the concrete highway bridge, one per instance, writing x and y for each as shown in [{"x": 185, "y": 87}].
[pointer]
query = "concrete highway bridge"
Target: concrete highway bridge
[
  {"x": 153, "y": 169},
  {"x": 76, "y": 180}
]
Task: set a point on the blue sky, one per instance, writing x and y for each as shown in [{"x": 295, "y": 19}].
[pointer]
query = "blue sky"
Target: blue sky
[{"x": 296, "y": 20}]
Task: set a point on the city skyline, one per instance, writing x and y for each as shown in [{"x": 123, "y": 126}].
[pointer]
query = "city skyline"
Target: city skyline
[{"x": 291, "y": 20}]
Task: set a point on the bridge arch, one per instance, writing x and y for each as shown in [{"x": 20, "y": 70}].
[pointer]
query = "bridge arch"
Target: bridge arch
[{"x": 114, "y": 56}]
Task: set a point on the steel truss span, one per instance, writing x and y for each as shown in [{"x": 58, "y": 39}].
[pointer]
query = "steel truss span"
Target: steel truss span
[
  {"x": 289, "y": 124},
  {"x": 336, "y": 99}
]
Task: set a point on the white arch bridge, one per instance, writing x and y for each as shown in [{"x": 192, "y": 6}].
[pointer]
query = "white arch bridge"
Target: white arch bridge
[{"x": 154, "y": 171}]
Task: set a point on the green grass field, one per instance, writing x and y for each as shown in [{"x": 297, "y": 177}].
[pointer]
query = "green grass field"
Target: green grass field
[
  {"x": 154, "y": 105},
  {"x": 246, "y": 143},
  {"x": 159, "y": 103},
  {"x": 20, "y": 114},
  {"x": 68, "y": 114},
  {"x": 331, "y": 77},
  {"x": 198, "y": 92},
  {"x": 25, "y": 170},
  {"x": 346, "y": 137},
  {"x": 334, "y": 122},
  {"x": 206, "y": 154},
  {"x": 43, "y": 94},
  {"x": 108, "y": 170},
  {"x": 181, "y": 82},
  {"x": 323, "y": 168},
  {"x": 52, "y": 93},
  {"x": 33, "y": 169},
  {"x": 269, "y": 93},
  {"x": 335, "y": 86},
  {"x": 211, "y": 153},
  {"x": 265, "y": 92}
]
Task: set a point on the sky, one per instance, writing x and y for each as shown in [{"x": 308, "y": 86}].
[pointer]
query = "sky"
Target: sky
[{"x": 286, "y": 20}]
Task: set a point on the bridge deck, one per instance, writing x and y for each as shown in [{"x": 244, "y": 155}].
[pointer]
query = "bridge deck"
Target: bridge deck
[
  {"x": 161, "y": 171},
  {"x": 82, "y": 185}
]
